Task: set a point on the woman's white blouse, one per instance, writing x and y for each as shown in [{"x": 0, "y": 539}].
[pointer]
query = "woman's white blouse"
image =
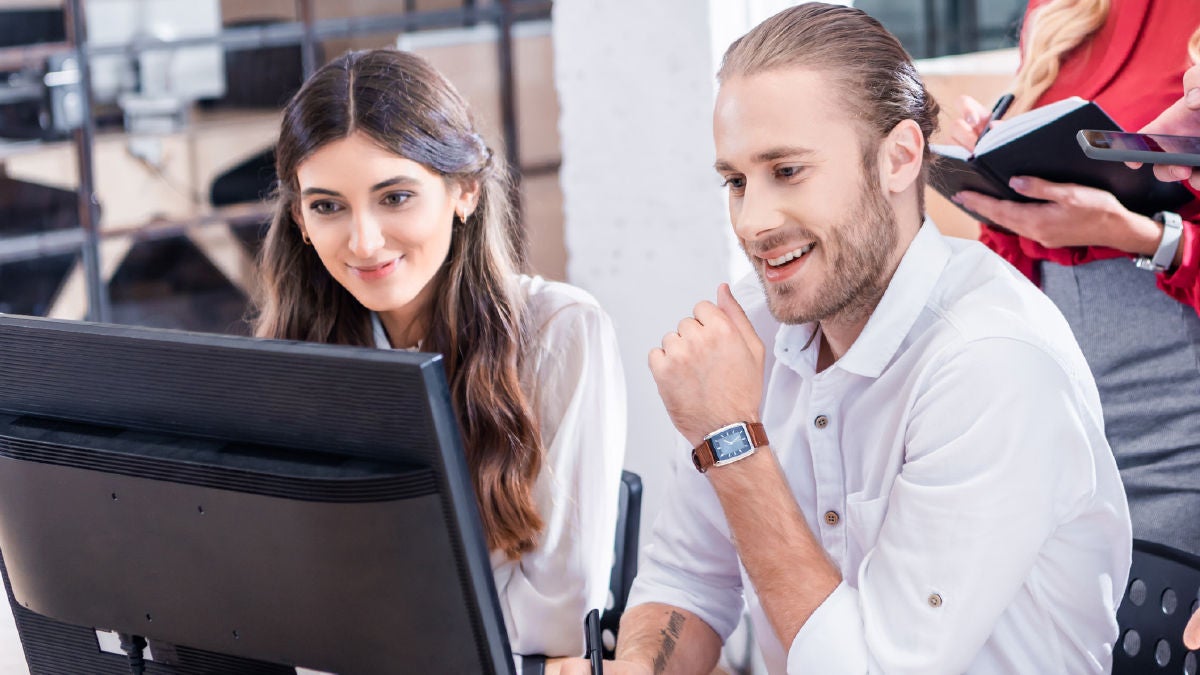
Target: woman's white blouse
[{"x": 574, "y": 381}]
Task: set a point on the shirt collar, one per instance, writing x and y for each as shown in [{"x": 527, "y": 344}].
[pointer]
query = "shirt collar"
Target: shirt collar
[
  {"x": 903, "y": 301},
  {"x": 378, "y": 334}
]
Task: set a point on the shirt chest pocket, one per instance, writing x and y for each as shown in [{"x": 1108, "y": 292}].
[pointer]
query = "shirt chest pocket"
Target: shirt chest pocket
[{"x": 864, "y": 518}]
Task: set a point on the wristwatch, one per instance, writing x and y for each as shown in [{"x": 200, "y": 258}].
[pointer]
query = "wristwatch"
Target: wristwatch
[
  {"x": 729, "y": 444},
  {"x": 1167, "y": 246}
]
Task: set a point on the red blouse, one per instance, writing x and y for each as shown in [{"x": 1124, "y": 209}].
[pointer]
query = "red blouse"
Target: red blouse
[{"x": 1133, "y": 68}]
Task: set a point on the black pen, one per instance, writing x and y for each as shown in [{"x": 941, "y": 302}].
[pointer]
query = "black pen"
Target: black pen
[
  {"x": 591, "y": 636},
  {"x": 998, "y": 111}
]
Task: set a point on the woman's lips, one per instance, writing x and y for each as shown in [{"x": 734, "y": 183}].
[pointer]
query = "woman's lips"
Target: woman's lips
[{"x": 373, "y": 272}]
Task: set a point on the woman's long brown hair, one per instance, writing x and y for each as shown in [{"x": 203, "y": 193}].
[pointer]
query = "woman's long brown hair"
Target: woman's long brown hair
[{"x": 477, "y": 321}]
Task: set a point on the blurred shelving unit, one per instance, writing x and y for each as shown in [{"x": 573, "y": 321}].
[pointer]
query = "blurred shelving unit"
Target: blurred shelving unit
[{"x": 125, "y": 225}]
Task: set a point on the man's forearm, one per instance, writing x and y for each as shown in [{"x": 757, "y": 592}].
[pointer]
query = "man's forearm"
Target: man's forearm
[
  {"x": 667, "y": 639},
  {"x": 792, "y": 574}
]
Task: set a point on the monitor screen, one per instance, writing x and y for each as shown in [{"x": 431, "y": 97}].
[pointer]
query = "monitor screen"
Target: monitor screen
[{"x": 245, "y": 505}]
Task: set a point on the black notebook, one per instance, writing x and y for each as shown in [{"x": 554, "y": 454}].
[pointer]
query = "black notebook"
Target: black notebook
[{"x": 1042, "y": 143}]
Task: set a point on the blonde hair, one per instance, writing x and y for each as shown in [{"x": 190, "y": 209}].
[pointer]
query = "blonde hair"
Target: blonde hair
[
  {"x": 1055, "y": 30},
  {"x": 877, "y": 76}
]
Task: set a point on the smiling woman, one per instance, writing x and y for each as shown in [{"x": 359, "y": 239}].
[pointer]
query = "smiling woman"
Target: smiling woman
[
  {"x": 393, "y": 228},
  {"x": 381, "y": 225}
]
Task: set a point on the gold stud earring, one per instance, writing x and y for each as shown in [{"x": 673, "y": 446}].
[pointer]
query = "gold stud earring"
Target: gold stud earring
[{"x": 304, "y": 236}]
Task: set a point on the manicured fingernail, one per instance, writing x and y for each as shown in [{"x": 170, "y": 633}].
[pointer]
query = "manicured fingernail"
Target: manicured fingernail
[
  {"x": 1193, "y": 98},
  {"x": 1181, "y": 172},
  {"x": 972, "y": 118},
  {"x": 1018, "y": 182}
]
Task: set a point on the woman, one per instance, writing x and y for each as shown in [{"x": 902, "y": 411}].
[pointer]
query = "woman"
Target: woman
[
  {"x": 394, "y": 228},
  {"x": 1138, "y": 329}
]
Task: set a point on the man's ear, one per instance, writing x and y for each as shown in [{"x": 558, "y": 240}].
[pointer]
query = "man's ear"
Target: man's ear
[{"x": 902, "y": 155}]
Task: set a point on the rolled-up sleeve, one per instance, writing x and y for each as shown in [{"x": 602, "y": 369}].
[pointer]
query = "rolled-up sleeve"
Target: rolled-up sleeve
[
  {"x": 1000, "y": 450},
  {"x": 690, "y": 562}
]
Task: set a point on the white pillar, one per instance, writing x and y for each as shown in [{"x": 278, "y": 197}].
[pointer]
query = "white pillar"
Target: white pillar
[{"x": 646, "y": 225}]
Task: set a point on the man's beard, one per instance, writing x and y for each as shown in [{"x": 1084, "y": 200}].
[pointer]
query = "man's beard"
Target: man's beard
[{"x": 858, "y": 256}]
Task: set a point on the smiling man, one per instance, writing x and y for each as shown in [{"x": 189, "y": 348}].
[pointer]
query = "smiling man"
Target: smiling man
[{"x": 897, "y": 456}]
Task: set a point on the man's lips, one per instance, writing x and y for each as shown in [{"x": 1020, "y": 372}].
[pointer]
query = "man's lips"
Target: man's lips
[
  {"x": 782, "y": 263},
  {"x": 780, "y": 258}
]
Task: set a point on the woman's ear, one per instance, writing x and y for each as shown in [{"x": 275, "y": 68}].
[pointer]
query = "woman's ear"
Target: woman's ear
[
  {"x": 468, "y": 196},
  {"x": 297, "y": 214},
  {"x": 903, "y": 154},
  {"x": 298, "y": 218}
]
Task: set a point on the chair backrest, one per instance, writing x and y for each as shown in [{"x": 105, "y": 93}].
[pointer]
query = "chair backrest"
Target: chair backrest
[
  {"x": 624, "y": 569},
  {"x": 1163, "y": 591}
]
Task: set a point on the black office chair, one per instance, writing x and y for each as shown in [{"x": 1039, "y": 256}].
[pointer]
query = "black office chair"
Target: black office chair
[
  {"x": 625, "y": 555},
  {"x": 624, "y": 569},
  {"x": 1163, "y": 591}
]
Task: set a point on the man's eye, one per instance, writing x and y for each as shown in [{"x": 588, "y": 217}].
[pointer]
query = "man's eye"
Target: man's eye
[
  {"x": 735, "y": 182},
  {"x": 788, "y": 171}
]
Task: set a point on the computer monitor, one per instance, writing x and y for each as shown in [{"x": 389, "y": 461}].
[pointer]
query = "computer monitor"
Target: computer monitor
[{"x": 248, "y": 506}]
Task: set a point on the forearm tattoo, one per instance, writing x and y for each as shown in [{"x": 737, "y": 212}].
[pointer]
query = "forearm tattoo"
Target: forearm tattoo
[{"x": 670, "y": 636}]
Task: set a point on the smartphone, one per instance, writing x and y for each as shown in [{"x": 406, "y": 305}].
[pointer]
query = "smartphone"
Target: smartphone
[{"x": 1119, "y": 146}]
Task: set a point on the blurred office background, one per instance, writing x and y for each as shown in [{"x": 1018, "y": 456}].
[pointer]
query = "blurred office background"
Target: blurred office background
[{"x": 136, "y": 136}]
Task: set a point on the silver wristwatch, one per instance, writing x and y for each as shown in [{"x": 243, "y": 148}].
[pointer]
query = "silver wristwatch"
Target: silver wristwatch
[{"x": 1167, "y": 246}]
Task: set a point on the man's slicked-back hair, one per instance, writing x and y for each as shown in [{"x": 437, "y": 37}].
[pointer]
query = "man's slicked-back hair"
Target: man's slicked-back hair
[{"x": 877, "y": 81}]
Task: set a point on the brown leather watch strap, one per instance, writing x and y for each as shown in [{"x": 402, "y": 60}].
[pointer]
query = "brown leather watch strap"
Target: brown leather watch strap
[
  {"x": 703, "y": 457},
  {"x": 758, "y": 434}
]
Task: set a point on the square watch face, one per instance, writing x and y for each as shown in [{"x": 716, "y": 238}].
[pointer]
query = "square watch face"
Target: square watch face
[{"x": 730, "y": 443}]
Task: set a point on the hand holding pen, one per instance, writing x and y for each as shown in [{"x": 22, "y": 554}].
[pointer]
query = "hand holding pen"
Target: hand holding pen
[
  {"x": 976, "y": 120},
  {"x": 592, "y": 663}
]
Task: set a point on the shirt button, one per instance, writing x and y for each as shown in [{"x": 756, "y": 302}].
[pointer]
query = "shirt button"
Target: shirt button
[
  {"x": 821, "y": 422},
  {"x": 935, "y": 600},
  {"x": 832, "y": 517}
]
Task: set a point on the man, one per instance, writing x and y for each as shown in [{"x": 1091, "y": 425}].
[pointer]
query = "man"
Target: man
[{"x": 936, "y": 494}]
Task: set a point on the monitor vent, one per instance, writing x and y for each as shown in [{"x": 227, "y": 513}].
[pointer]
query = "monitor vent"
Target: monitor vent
[{"x": 374, "y": 488}]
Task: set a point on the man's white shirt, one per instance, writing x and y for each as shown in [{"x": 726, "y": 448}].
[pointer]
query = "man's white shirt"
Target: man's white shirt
[{"x": 958, "y": 477}]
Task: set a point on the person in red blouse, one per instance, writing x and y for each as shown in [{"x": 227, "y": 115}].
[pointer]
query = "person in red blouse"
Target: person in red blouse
[
  {"x": 1139, "y": 329},
  {"x": 1181, "y": 119}
]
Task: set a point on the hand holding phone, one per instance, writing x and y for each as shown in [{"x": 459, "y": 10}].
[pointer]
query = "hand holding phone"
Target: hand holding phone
[{"x": 1119, "y": 146}]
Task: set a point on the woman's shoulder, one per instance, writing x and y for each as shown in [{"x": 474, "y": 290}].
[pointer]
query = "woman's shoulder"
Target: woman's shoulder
[{"x": 554, "y": 302}]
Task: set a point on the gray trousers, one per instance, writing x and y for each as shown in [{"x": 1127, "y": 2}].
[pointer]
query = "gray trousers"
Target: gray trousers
[{"x": 1144, "y": 351}]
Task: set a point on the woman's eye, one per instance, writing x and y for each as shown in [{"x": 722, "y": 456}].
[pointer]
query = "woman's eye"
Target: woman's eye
[
  {"x": 324, "y": 208},
  {"x": 788, "y": 171},
  {"x": 396, "y": 198},
  {"x": 735, "y": 182}
]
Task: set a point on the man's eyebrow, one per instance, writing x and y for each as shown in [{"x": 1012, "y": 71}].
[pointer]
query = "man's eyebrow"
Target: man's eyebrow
[
  {"x": 767, "y": 156},
  {"x": 781, "y": 152}
]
